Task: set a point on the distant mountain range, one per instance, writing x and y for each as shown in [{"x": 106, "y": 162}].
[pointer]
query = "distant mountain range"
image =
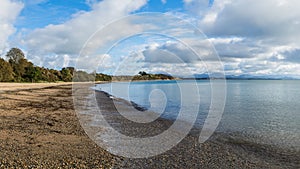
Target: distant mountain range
[{"x": 244, "y": 76}]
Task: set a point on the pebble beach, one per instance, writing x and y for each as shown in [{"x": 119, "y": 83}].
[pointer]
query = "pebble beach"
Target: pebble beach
[{"x": 40, "y": 129}]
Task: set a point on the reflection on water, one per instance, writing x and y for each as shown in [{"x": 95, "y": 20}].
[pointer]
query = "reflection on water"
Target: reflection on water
[{"x": 263, "y": 111}]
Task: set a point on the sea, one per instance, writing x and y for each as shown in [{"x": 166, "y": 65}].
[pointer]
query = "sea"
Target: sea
[{"x": 266, "y": 112}]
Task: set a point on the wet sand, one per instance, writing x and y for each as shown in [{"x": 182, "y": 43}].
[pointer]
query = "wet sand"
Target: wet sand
[{"x": 39, "y": 129}]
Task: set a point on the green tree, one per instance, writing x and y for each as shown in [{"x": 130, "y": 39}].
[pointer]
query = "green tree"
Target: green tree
[
  {"x": 14, "y": 55},
  {"x": 53, "y": 75},
  {"x": 102, "y": 77},
  {"x": 6, "y": 71},
  {"x": 32, "y": 74},
  {"x": 18, "y": 62},
  {"x": 67, "y": 74},
  {"x": 19, "y": 69}
]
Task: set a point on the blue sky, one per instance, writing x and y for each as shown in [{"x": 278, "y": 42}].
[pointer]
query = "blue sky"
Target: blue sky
[
  {"x": 44, "y": 12},
  {"x": 250, "y": 37},
  {"x": 40, "y": 13}
]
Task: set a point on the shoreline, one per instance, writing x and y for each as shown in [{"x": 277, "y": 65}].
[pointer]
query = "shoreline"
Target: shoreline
[
  {"x": 40, "y": 128},
  {"x": 227, "y": 151}
]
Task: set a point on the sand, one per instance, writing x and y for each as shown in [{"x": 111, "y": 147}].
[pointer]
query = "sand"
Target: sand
[
  {"x": 24, "y": 86},
  {"x": 39, "y": 129}
]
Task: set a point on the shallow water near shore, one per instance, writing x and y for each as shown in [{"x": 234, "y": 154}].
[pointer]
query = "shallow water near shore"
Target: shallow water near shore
[{"x": 259, "y": 111}]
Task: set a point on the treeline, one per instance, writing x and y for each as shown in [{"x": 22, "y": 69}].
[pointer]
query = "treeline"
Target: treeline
[{"x": 19, "y": 69}]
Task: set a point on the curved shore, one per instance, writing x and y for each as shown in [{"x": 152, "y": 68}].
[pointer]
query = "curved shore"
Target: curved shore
[
  {"x": 221, "y": 151},
  {"x": 39, "y": 128}
]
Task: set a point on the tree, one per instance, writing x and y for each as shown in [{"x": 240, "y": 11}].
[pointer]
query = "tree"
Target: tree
[
  {"x": 14, "y": 55},
  {"x": 32, "y": 74},
  {"x": 67, "y": 74},
  {"x": 19, "y": 69},
  {"x": 6, "y": 71},
  {"x": 102, "y": 77},
  {"x": 18, "y": 63},
  {"x": 53, "y": 75},
  {"x": 142, "y": 73}
]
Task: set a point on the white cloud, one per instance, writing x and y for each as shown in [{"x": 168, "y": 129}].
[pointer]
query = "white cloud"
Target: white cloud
[
  {"x": 255, "y": 18},
  {"x": 9, "y": 11},
  {"x": 101, "y": 63},
  {"x": 227, "y": 40},
  {"x": 171, "y": 57},
  {"x": 69, "y": 37},
  {"x": 170, "y": 52},
  {"x": 253, "y": 36}
]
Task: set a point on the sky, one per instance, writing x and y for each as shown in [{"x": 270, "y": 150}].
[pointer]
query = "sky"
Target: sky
[{"x": 178, "y": 37}]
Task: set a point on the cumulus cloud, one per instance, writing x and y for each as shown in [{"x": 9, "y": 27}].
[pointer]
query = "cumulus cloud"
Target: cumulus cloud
[
  {"x": 252, "y": 36},
  {"x": 183, "y": 47},
  {"x": 237, "y": 48},
  {"x": 170, "y": 52},
  {"x": 70, "y": 37},
  {"x": 171, "y": 57},
  {"x": 9, "y": 10},
  {"x": 254, "y": 18}
]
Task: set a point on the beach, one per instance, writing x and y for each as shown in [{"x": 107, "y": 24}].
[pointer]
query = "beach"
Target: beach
[{"x": 40, "y": 129}]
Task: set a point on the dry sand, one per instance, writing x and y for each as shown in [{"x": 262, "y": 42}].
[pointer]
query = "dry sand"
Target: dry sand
[
  {"x": 39, "y": 129},
  {"x": 24, "y": 86}
]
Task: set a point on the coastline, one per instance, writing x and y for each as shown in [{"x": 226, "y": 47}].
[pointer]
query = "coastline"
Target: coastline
[
  {"x": 220, "y": 151},
  {"x": 39, "y": 128}
]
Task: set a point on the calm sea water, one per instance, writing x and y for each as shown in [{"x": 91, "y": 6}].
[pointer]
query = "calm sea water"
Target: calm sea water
[{"x": 261, "y": 111}]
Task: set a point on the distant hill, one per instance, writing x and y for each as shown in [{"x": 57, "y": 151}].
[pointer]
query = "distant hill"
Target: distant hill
[
  {"x": 144, "y": 76},
  {"x": 205, "y": 76}
]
